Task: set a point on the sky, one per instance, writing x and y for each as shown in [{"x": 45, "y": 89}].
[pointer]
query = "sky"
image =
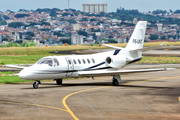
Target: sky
[{"x": 141, "y": 5}]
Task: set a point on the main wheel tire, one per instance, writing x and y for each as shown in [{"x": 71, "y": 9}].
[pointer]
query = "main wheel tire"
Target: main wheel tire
[
  {"x": 35, "y": 85},
  {"x": 59, "y": 82},
  {"x": 115, "y": 82}
]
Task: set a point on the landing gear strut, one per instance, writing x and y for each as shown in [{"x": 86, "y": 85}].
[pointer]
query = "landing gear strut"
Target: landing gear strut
[
  {"x": 116, "y": 80},
  {"x": 36, "y": 83},
  {"x": 58, "y": 81}
]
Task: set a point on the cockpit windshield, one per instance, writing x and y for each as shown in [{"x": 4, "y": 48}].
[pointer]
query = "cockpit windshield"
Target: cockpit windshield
[
  {"x": 47, "y": 61},
  {"x": 38, "y": 62}
]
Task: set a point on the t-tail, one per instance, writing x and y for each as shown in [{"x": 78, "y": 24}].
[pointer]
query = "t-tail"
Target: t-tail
[
  {"x": 137, "y": 38},
  {"x": 136, "y": 42}
]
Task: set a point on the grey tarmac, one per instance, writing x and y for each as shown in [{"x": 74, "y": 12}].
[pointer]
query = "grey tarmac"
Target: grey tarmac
[{"x": 142, "y": 96}]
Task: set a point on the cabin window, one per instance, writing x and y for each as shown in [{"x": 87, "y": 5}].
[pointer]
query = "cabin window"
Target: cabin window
[
  {"x": 88, "y": 61},
  {"x": 47, "y": 61},
  {"x": 69, "y": 62},
  {"x": 56, "y": 62},
  {"x": 74, "y": 61},
  {"x": 93, "y": 60},
  {"x": 84, "y": 61},
  {"x": 79, "y": 61}
]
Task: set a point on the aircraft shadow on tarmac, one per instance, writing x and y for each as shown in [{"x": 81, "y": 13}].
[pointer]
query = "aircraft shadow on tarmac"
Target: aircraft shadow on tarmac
[{"x": 100, "y": 84}]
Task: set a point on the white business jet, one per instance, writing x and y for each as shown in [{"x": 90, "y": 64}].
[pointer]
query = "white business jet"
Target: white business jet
[{"x": 99, "y": 64}]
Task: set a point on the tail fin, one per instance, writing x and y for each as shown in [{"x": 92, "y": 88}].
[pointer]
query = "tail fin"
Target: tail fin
[{"x": 137, "y": 38}]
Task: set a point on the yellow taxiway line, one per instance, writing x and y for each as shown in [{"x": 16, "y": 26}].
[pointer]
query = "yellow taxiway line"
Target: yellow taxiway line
[
  {"x": 74, "y": 116},
  {"x": 34, "y": 105},
  {"x": 64, "y": 99}
]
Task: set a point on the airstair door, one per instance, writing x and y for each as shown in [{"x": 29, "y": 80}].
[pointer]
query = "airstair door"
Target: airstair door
[{"x": 70, "y": 66}]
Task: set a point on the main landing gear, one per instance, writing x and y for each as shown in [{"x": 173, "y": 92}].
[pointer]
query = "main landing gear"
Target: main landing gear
[
  {"x": 58, "y": 81},
  {"x": 116, "y": 80},
  {"x": 36, "y": 83}
]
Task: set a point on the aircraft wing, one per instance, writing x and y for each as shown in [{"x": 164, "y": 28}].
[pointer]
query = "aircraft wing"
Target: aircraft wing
[
  {"x": 156, "y": 47},
  {"x": 14, "y": 66},
  {"x": 108, "y": 73}
]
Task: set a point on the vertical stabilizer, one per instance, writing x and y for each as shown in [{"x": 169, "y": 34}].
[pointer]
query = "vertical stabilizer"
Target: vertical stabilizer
[{"x": 137, "y": 38}]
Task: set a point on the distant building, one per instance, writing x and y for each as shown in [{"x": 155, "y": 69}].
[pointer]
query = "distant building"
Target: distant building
[
  {"x": 77, "y": 39},
  {"x": 121, "y": 39},
  {"x": 94, "y": 8},
  {"x": 135, "y": 21},
  {"x": 76, "y": 27},
  {"x": 16, "y": 37},
  {"x": 0, "y": 38},
  {"x": 159, "y": 26}
]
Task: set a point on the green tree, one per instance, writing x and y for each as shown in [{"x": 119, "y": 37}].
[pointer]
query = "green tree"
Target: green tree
[
  {"x": 81, "y": 32},
  {"x": 47, "y": 38},
  {"x": 93, "y": 19},
  {"x": 16, "y": 24},
  {"x": 21, "y": 15},
  {"x": 68, "y": 41},
  {"x": 100, "y": 22},
  {"x": 59, "y": 34},
  {"x": 153, "y": 37},
  {"x": 20, "y": 35},
  {"x": 3, "y": 22},
  {"x": 112, "y": 41},
  {"x": 163, "y": 37},
  {"x": 4, "y": 39},
  {"x": 6, "y": 17},
  {"x": 94, "y": 36},
  {"x": 53, "y": 14},
  {"x": 72, "y": 21},
  {"x": 31, "y": 34},
  {"x": 84, "y": 19}
]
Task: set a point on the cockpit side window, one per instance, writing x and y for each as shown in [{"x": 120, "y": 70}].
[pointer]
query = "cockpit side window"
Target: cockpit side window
[
  {"x": 47, "y": 61},
  {"x": 56, "y": 62}
]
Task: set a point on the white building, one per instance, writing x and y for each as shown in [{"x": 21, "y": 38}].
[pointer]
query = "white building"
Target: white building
[
  {"x": 77, "y": 39},
  {"x": 76, "y": 27},
  {"x": 2, "y": 27},
  {"x": 16, "y": 37},
  {"x": 94, "y": 8},
  {"x": 159, "y": 26}
]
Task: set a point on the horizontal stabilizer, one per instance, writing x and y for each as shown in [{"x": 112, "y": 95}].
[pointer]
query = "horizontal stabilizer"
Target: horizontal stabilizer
[{"x": 108, "y": 73}]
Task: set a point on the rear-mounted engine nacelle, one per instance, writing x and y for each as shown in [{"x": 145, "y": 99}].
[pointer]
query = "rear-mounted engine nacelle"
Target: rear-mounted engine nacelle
[{"x": 116, "y": 61}]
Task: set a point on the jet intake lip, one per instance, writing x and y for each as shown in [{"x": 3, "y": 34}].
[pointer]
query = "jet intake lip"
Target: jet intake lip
[{"x": 108, "y": 60}]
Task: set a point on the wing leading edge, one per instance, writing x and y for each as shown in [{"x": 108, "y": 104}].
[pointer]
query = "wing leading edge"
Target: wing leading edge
[{"x": 108, "y": 73}]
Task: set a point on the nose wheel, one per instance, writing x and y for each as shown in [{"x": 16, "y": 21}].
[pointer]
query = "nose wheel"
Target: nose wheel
[{"x": 36, "y": 84}]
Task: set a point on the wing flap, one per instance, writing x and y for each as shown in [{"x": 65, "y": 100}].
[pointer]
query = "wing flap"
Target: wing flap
[{"x": 108, "y": 73}]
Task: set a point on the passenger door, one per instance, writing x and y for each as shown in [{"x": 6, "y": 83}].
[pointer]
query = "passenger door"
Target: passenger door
[{"x": 70, "y": 66}]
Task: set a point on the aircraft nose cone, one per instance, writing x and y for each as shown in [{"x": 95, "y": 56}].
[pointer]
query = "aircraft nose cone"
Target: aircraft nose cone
[{"x": 22, "y": 75}]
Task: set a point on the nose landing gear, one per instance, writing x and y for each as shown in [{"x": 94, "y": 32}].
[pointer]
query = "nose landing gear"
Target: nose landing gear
[{"x": 36, "y": 84}]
